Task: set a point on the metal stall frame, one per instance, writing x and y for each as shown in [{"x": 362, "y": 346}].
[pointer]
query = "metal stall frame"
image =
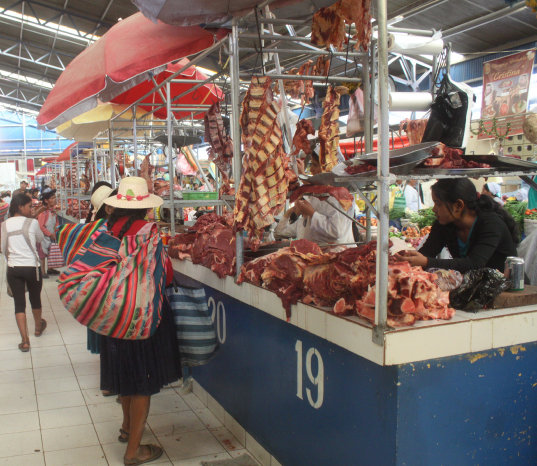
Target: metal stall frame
[
  {"x": 171, "y": 120},
  {"x": 380, "y": 326}
]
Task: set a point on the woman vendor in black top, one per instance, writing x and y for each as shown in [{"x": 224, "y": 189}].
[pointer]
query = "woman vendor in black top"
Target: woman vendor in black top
[{"x": 477, "y": 231}]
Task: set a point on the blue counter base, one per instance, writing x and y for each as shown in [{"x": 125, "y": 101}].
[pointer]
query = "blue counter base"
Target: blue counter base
[{"x": 310, "y": 402}]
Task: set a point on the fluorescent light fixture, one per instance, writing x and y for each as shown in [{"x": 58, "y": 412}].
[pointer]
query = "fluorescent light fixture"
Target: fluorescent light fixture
[
  {"x": 15, "y": 108},
  {"x": 25, "y": 79},
  {"x": 50, "y": 26}
]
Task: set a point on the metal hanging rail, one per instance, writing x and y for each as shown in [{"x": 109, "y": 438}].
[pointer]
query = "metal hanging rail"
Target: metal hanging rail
[{"x": 298, "y": 77}]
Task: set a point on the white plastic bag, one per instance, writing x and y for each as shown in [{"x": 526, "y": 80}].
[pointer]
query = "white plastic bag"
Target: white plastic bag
[
  {"x": 355, "y": 122},
  {"x": 528, "y": 251}
]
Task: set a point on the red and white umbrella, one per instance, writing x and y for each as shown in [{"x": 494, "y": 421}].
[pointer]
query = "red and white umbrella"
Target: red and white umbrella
[
  {"x": 207, "y": 94},
  {"x": 125, "y": 56}
]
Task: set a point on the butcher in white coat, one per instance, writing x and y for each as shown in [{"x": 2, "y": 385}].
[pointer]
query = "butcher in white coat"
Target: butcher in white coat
[{"x": 316, "y": 220}]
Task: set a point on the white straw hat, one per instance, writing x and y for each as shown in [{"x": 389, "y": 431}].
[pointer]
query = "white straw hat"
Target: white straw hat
[
  {"x": 98, "y": 197},
  {"x": 133, "y": 194}
]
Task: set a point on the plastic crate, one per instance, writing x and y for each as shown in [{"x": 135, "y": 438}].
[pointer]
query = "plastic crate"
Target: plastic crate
[{"x": 199, "y": 195}]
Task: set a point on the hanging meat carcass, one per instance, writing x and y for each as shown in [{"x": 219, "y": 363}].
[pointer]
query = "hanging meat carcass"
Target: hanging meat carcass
[
  {"x": 263, "y": 186},
  {"x": 145, "y": 172},
  {"x": 328, "y": 26},
  {"x": 221, "y": 145},
  {"x": 303, "y": 90},
  {"x": 329, "y": 129},
  {"x": 300, "y": 139}
]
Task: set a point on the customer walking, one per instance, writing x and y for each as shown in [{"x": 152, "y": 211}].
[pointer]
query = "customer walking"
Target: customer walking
[
  {"x": 20, "y": 236},
  {"x": 47, "y": 221}
]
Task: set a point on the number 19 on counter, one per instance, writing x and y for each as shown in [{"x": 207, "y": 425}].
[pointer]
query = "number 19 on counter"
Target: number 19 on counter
[{"x": 316, "y": 394}]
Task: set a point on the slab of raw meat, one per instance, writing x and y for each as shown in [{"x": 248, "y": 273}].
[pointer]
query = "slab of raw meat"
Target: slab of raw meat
[
  {"x": 263, "y": 186},
  {"x": 341, "y": 194}
]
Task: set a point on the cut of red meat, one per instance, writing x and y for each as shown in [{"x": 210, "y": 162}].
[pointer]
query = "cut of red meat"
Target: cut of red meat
[
  {"x": 211, "y": 243},
  {"x": 414, "y": 129},
  {"x": 342, "y": 195},
  {"x": 448, "y": 157},
  {"x": 360, "y": 168},
  {"x": 300, "y": 139},
  {"x": 342, "y": 307}
]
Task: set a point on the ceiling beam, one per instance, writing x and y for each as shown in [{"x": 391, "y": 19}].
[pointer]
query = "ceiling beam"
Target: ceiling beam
[
  {"x": 27, "y": 73},
  {"x": 11, "y": 82},
  {"x": 483, "y": 20},
  {"x": 9, "y": 99},
  {"x": 60, "y": 11}
]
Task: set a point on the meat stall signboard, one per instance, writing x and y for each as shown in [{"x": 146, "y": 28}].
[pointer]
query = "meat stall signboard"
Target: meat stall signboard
[{"x": 506, "y": 84}]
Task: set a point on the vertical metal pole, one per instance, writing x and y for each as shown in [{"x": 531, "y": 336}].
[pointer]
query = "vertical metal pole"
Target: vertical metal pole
[
  {"x": 368, "y": 129},
  {"x": 25, "y": 165},
  {"x": 111, "y": 156},
  {"x": 170, "y": 157},
  {"x": 383, "y": 166},
  {"x": 235, "y": 128},
  {"x": 95, "y": 161},
  {"x": 289, "y": 136},
  {"x": 135, "y": 148},
  {"x": 78, "y": 179}
]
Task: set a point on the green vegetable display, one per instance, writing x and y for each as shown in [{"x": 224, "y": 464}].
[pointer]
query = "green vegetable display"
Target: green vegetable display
[
  {"x": 423, "y": 218},
  {"x": 517, "y": 209}
]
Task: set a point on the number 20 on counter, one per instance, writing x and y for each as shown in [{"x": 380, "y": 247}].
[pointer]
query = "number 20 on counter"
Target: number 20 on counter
[{"x": 317, "y": 380}]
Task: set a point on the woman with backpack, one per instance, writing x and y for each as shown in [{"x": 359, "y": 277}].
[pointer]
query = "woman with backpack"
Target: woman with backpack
[
  {"x": 20, "y": 236},
  {"x": 124, "y": 263}
]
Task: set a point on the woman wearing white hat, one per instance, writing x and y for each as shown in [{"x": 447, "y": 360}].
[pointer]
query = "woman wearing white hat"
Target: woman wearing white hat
[{"x": 137, "y": 369}]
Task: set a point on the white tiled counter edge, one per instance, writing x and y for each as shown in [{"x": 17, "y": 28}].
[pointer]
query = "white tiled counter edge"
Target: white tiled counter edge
[{"x": 465, "y": 333}]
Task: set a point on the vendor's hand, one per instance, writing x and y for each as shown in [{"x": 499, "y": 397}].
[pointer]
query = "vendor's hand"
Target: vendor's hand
[
  {"x": 304, "y": 208},
  {"x": 290, "y": 211},
  {"x": 413, "y": 257},
  {"x": 300, "y": 166}
]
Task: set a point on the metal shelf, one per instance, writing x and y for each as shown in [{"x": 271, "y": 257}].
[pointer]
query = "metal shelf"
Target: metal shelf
[
  {"x": 421, "y": 174},
  {"x": 196, "y": 203}
]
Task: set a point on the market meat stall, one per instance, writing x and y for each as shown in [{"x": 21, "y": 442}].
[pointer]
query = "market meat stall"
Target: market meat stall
[
  {"x": 302, "y": 385},
  {"x": 305, "y": 384}
]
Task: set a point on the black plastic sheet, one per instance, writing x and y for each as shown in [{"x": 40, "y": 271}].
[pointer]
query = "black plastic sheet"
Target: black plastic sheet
[{"x": 478, "y": 289}]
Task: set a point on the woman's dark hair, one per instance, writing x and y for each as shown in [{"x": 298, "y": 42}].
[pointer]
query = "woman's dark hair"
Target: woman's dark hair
[
  {"x": 101, "y": 213},
  {"x": 450, "y": 190},
  {"x": 132, "y": 214},
  {"x": 17, "y": 202},
  {"x": 96, "y": 186}
]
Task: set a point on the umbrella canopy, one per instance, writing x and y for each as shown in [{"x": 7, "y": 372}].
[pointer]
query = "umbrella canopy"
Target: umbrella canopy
[
  {"x": 66, "y": 154},
  {"x": 187, "y": 13},
  {"x": 87, "y": 126},
  {"x": 207, "y": 94},
  {"x": 72, "y": 150},
  {"x": 119, "y": 60},
  {"x": 41, "y": 171}
]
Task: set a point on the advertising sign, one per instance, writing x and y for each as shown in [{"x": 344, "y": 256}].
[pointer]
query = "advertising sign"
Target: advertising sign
[{"x": 506, "y": 83}]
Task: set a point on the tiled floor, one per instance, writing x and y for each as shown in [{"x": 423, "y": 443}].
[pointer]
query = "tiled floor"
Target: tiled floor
[{"x": 52, "y": 411}]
